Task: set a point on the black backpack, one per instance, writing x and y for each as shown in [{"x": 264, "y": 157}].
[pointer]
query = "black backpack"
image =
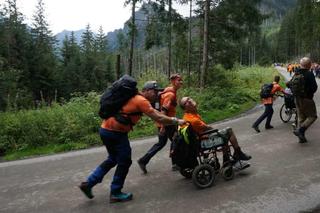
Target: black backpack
[
  {"x": 297, "y": 84},
  {"x": 185, "y": 152},
  {"x": 116, "y": 96},
  {"x": 265, "y": 91}
]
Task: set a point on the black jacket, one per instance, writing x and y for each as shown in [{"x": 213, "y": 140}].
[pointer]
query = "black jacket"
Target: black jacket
[{"x": 310, "y": 83}]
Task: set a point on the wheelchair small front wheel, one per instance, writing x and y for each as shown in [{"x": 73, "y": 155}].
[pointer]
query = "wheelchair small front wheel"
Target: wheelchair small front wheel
[
  {"x": 228, "y": 173},
  {"x": 186, "y": 172},
  {"x": 285, "y": 113},
  {"x": 203, "y": 176}
]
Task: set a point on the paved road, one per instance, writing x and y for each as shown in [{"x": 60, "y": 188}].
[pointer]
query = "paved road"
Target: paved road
[{"x": 284, "y": 177}]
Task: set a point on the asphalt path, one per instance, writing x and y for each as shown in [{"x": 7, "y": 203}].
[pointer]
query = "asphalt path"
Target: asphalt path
[{"x": 284, "y": 177}]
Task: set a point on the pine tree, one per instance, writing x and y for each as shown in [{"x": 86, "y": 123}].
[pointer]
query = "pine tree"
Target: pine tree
[
  {"x": 88, "y": 78},
  {"x": 14, "y": 41},
  {"x": 71, "y": 76},
  {"x": 42, "y": 61},
  {"x": 103, "y": 70}
]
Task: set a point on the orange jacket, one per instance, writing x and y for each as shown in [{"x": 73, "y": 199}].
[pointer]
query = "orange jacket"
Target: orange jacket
[
  {"x": 276, "y": 88},
  {"x": 136, "y": 104},
  {"x": 168, "y": 102}
]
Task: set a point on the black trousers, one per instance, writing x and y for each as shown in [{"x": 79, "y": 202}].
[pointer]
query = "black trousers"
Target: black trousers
[
  {"x": 268, "y": 112},
  {"x": 170, "y": 131}
]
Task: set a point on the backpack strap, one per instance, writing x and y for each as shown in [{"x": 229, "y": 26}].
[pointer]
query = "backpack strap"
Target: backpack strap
[{"x": 124, "y": 118}]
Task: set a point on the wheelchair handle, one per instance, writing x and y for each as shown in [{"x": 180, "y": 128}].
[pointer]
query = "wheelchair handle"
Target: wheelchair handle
[{"x": 209, "y": 132}]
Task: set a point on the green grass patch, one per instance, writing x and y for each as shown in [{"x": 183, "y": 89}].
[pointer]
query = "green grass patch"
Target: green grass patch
[
  {"x": 47, "y": 149},
  {"x": 75, "y": 125}
]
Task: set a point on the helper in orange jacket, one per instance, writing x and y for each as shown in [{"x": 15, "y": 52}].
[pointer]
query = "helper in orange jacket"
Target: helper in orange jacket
[{"x": 268, "y": 102}]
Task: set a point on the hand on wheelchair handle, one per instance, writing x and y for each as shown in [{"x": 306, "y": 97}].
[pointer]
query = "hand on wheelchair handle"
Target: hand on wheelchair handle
[{"x": 181, "y": 122}]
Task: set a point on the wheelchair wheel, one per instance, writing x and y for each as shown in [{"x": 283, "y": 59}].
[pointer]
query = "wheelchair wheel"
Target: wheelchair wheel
[
  {"x": 203, "y": 176},
  {"x": 228, "y": 173},
  {"x": 187, "y": 173},
  {"x": 285, "y": 113}
]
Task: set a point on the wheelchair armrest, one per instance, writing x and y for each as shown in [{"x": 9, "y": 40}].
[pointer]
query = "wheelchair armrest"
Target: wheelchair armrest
[{"x": 209, "y": 132}]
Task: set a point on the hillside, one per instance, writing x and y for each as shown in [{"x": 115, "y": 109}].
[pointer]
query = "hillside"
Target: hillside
[{"x": 277, "y": 9}]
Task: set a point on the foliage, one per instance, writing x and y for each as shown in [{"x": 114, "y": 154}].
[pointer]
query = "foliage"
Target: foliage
[
  {"x": 75, "y": 124},
  {"x": 299, "y": 32}
]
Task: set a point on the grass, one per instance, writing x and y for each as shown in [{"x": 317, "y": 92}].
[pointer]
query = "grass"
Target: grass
[
  {"x": 44, "y": 150},
  {"x": 75, "y": 125}
]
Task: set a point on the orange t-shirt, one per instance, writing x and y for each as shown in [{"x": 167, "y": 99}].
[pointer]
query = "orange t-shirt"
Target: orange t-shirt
[
  {"x": 136, "y": 104},
  {"x": 276, "y": 88},
  {"x": 169, "y": 101},
  {"x": 198, "y": 125}
]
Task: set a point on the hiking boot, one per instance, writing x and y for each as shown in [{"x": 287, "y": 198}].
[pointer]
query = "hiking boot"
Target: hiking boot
[
  {"x": 239, "y": 165},
  {"x": 86, "y": 190},
  {"x": 239, "y": 155},
  {"x": 120, "y": 197},
  {"x": 256, "y": 128},
  {"x": 142, "y": 167},
  {"x": 300, "y": 135},
  {"x": 269, "y": 127},
  {"x": 175, "y": 167},
  {"x": 302, "y": 141}
]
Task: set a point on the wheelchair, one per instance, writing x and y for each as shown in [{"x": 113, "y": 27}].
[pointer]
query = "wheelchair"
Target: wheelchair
[
  {"x": 207, "y": 165},
  {"x": 288, "y": 110}
]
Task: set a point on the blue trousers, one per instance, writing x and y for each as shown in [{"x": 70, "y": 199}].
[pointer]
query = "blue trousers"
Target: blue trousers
[
  {"x": 119, "y": 150},
  {"x": 268, "y": 112}
]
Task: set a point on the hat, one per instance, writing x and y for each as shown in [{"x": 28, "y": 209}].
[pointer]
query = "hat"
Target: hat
[{"x": 150, "y": 85}]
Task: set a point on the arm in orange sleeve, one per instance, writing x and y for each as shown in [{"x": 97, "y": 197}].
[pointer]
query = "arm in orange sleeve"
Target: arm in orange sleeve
[{"x": 277, "y": 88}]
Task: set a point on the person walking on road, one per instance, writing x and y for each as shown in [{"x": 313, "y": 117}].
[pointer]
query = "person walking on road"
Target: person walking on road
[
  {"x": 303, "y": 86},
  {"x": 268, "y": 106},
  {"x": 114, "y": 136},
  {"x": 168, "y": 103}
]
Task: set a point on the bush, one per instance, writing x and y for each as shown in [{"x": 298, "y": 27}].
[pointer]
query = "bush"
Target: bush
[
  {"x": 70, "y": 123},
  {"x": 75, "y": 125}
]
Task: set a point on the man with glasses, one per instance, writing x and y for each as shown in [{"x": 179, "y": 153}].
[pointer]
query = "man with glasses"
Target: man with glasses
[{"x": 191, "y": 115}]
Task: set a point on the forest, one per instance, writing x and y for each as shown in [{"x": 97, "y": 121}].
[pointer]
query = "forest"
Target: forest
[
  {"x": 220, "y": 44},
  {"x": 35, "y": 70}
]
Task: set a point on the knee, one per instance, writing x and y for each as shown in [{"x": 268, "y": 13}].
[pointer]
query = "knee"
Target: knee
[
  {"x": 162, "y": 142},
  {"x": 126, "y": 162},
  {"x": 108, "y": 164}
]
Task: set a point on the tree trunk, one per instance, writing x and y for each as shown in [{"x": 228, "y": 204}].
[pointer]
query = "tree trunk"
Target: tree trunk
[
  {"x": 133, "y": 28},
  {"x": 189, "y": 46},
  {"x": 169, "y": 40},
  {"x": 205, "y": 44},
  {"x": 118, "y": 67}
]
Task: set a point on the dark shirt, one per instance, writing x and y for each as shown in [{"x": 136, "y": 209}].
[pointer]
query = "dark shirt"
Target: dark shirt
[{"x": 310, "y": 83}]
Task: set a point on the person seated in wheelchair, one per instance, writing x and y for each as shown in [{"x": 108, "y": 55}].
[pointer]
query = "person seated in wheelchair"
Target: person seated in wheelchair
[
  {"x": 288, "y": 97},
  {"x": 205, "y": 131}
]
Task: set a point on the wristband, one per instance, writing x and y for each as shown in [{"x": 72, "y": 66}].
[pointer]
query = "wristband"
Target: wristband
[{"x": 175, "y": 120}]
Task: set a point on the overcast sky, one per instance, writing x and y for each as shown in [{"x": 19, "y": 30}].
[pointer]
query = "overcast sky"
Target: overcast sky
[{"x": 76, "y": 14}]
